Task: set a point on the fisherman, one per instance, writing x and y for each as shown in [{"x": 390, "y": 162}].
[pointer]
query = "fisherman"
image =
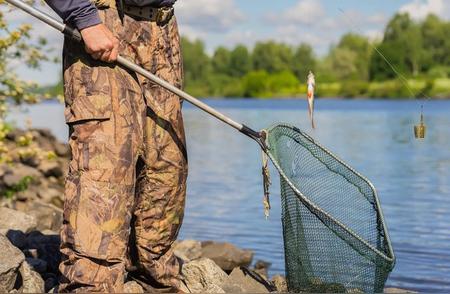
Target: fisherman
[{"x": 125, "y": 191}]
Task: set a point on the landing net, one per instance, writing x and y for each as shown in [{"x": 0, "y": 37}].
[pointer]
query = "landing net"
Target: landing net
[{"x": 335, "y": 237}]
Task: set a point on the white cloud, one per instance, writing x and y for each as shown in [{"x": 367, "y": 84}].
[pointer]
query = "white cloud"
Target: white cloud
[
  {"x": 209, "y": 15},
  {"x": 307, "y": 12},
  {"x": 419, "y": 9}
]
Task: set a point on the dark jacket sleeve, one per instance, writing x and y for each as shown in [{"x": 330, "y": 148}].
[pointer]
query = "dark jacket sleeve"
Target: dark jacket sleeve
[{"x": 79, "y": 13}]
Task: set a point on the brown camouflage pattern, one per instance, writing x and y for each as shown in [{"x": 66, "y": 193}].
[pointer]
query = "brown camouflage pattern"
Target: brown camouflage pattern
[{"x": 127, "y": 177}]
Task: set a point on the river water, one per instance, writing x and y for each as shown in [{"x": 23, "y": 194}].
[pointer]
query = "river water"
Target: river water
[{"x": 375, "y": 137}]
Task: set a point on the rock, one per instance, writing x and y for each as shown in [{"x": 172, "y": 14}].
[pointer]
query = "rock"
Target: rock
[
  {"x": 30, "y": 160},
  {"x": 50, "y": 194},
  {"x": 247, "y": 282},
  {"x": 62, "y": 149},
  {"x": 188, "y": 250},
  {"x": 397, "y": 290},
  {"x": 17, "y": 238},
  {"x": 11, "y": 259},
  {"x": 280, "y": 283},
  {"x": 48, "y": 217},
  {"x": 15, "y": 176},
  {"x": 50, "y": 283},
  {"x": 27, "y": 195},
  {"x": 14, "y": 134},
  {"x": 203, "y": 275},
  {"x": 132, "y": 287},
  {"x": 37, "y": 264},
  {"x": 47, "y": 247},
  {"x": 51, "y": 168},
  {"x": 33, "y": 253},
  {"x": 31, "y": 280},
  {"x": 262, "y": 268},
  {"x": 15, "y": 220},
  {"x": 226, "y": 255}
]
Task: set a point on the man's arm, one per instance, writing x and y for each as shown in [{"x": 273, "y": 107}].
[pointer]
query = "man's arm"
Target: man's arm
[{"x": 83, "y": 15}]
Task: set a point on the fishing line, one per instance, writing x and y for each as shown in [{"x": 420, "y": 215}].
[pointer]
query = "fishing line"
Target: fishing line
[{"x": 402, "y": 78}]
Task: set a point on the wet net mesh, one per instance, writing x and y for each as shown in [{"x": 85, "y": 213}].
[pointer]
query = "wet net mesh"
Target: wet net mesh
[{"x": 335, "y": 238}]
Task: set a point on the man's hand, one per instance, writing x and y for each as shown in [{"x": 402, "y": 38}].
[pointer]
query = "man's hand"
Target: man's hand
[{"x": 100, "y": 43}]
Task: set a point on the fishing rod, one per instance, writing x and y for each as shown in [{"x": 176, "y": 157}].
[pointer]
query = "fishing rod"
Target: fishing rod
[{"x": 75, "y": 35}]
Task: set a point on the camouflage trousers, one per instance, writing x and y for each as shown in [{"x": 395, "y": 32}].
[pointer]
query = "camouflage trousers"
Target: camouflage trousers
[{"x": 125, "y": 191}]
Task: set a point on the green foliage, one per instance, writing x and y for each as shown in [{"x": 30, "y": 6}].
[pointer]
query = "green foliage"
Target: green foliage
[
  {"x": 255, "y": 83},
  {"x": 272, "y": 57},
  {"x": 303, "y": 62},
  {"x": 240, "y": 61},
  {"x": 21, "y": 186}
]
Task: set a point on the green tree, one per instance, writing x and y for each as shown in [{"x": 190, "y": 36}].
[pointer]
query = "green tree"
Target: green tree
[
  {"x": 240, "y": 61},
  {"x": 272, "y": 57},
  {"x": 197, "y": 63},
  {"x": 303, "y": 61},
  {"x": 221, "y": 61},
  {"x": 436, "y": 41},
  {"x": 403, "y": 48},
  {"x": 361, "y": 49},
  {"x": 255, "y": 83}
]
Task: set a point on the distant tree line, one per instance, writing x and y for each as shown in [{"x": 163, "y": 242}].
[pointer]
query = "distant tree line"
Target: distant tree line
[{"x": 417, "y": 50}]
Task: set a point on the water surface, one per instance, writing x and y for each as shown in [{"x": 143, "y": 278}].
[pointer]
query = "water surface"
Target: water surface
[{"x": 375, "y": 137}]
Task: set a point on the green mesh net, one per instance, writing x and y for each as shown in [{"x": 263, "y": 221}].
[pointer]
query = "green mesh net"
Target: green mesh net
[{"x": 335, "y": 237}]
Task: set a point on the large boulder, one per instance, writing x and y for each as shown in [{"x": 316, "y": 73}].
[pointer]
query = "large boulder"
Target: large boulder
[
  {"x": 242, "y": 280},
  {"x": 11, "y": 259},
  {"x": 15, "y": 220},
  {"x": 49, "y": 217},
  {"x": 226, "y": 255},
  {"x": 188, "y": 250},
  {"x": 203, "y": 276},
  {"x": 32, "y": 282}
]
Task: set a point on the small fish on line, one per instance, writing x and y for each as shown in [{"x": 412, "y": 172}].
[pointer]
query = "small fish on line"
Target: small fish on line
[{"x": 311, "y": 88}]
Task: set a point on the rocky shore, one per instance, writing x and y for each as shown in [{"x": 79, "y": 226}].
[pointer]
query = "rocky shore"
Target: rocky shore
[{"x": 31, "y": 199}]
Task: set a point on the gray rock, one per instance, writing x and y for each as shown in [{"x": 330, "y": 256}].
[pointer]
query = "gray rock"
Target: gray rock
[
  {"x": 15, "y": 175},
  {"x": 203, "y": 275},
  {"x": 30, "y": 160},
  {"x": 132, "y": 287},
  {"x": 11, "y": 259},
  {"x": 31, "y": 280},
  {"x": 62, "y": 149},
  {"x": 280, "y": 283},
  {"x": 15, "y": 220},
  {"x": 48, "y": 217},
  {"x": 50, "y": 194},
  {"x": 37, "y": 264},
  {"x": 247, "y": 281},
  {"x": 51, "y": 168},
  {"x": 226, "y": 255},
  {"x": 188, "y": 250}
]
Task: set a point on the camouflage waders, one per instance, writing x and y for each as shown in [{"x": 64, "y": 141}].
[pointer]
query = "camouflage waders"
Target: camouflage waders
[{"x": 127, "y": 177}]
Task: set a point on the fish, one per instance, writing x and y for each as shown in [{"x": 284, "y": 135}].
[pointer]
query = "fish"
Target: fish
[{"x": 311, "y": 88}]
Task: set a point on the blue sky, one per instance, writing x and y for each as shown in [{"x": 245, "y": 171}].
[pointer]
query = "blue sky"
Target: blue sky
[{"x": 229, "y": 22}]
